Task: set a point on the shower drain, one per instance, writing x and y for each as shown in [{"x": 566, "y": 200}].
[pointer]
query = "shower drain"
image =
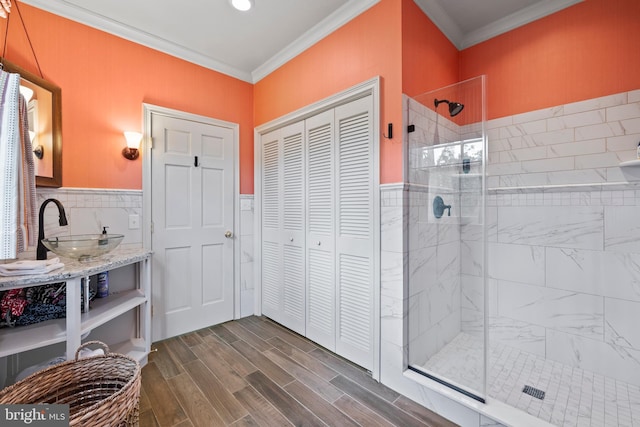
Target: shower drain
[{"x": 532, "y": 391}]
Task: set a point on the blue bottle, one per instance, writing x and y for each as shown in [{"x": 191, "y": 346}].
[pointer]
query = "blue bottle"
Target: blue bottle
[{"x": 103, "y": 285}]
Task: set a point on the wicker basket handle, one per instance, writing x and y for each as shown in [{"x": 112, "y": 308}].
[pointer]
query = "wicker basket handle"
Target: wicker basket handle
[{"x": 105, "y": 347}]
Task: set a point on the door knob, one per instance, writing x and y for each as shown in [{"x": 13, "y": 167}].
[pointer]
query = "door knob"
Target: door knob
[{"x": 228, "y": 234}]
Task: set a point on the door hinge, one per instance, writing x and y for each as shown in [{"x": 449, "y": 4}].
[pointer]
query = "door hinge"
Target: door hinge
[{"x": 151, "y": 227}]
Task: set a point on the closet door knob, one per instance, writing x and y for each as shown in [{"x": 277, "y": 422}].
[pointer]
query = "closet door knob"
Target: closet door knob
[
  {"x": 228, "y": 234},
  {"x": 291, "y": 239},
  {"x": 319, "y": 242}
]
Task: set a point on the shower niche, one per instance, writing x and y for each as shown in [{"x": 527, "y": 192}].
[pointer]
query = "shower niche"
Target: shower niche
[{"x": 445, "y": 164}]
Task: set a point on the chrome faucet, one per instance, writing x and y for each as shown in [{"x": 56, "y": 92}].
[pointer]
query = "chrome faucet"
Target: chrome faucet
[{"x": 41, "y": 252}]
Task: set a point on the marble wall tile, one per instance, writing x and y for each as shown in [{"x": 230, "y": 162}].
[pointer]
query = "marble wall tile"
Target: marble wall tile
[
  {"x": 391, "y": 320},
  {"x": 624, "y": 112},
  {"x": 574, "y": 227},
  {"x": 596, "y": 103},
  {"x": 392, "y": 268},
  {"x": 594, "y": 355},
  {"x": 622, "y": 143},
  {"x": 516, "y": 263},
  {"x": 568, "y": 121},
  {"x": 247, "y": 247},
  {"x": 442, "y": 299},
  {"x": 603, "y": 130},
  {"x": 422, "y": 269},
  {"x": 622, "y": 228},
  {"x": 577, "y": 148},
  {"x": 571, "y": 312},
  {"x": 391, "y": 235},
  {"x": 472, "y": 257},
  {"x": 610, "y": 274},
  {"x": 548, "y": 165},
  {"x": 519, "y": 334},
  {"x": 448, "y": 261},
  {"x": 581, "y": 176},
  {"x": 620, "y": 328}
]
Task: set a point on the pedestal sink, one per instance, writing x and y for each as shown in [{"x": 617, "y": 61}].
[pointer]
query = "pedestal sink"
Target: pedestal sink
[{"x": 83, "y": 247}]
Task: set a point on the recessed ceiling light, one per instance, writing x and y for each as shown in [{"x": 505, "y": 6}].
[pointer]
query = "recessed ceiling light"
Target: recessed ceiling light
[{"x": 242, "y": 5}]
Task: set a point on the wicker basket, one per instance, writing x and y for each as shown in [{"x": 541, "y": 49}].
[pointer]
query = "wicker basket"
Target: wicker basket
[{"x": 100, "y": 390}]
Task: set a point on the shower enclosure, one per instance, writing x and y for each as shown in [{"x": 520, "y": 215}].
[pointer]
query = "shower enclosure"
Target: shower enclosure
[
  {"x": 523, "y": 271},
  {"x": 446, "y": 154}
]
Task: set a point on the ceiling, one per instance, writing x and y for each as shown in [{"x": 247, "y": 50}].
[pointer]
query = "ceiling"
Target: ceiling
[{"x": 250, "y": 45}]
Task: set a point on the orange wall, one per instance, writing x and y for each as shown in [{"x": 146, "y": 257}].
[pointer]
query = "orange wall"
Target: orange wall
[
  {"x": 104, "y": 81},
  {"x": 588, "y": 50},
  {"x": 429, "y": 60},
  {"x": 366, "y": 47}
]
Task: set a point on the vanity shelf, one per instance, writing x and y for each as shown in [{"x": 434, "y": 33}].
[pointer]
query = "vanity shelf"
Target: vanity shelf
[
  {"x": 23, "y": 338},
  {"x": 105, "y": 309},
  {"x": 127, "y": 305}
]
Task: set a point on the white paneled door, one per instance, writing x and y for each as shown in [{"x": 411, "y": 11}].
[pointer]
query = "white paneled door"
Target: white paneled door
[{"x": 193, "y": 224}]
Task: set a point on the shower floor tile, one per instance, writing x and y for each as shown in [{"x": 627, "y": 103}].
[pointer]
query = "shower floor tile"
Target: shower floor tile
[{"x": 573, "y": 396}]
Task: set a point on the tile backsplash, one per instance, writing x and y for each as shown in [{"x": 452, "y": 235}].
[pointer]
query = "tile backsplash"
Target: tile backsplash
[{"x": 90, "y": 209}]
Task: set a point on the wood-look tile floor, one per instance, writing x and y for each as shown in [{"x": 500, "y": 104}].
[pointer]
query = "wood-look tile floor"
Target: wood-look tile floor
[{"x": 253, "y": 372}]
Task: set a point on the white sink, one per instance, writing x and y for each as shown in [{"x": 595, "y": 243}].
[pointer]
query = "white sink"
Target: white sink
[{"x": 83, "y": 247}]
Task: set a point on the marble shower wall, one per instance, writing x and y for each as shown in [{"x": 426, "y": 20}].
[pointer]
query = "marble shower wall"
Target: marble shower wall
[{"x": 564, "y": 234}]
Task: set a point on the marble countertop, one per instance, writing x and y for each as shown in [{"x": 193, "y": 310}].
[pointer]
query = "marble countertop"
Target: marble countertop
[{"x": 119, "y": 257}]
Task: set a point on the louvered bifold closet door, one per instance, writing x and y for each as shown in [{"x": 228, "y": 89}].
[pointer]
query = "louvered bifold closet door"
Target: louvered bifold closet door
[
  {"x": 293, "y": 310},
  {"x": 355, "y": 231},
  {"x": 283, "y": 272},
  {"x": 272, "y": 256},
  {"x": 320, "y": 230}
]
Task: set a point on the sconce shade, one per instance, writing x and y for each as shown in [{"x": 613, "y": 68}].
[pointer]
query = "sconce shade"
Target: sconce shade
[{"x": 133, "y": 145}]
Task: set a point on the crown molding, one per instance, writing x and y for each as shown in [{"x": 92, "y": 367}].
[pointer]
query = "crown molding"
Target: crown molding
[
  {"x": 515, "y": 20},
  {"x": 319, "y": 31},
  {"x": 92, "y": 19},
  {"x": 462, "y": 41},
  {"x": 442, "y": 20},
  {"x": 87, "y": 17}
]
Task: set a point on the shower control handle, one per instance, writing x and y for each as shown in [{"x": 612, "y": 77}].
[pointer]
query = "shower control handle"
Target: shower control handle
[{"x": 439, "y": 207}]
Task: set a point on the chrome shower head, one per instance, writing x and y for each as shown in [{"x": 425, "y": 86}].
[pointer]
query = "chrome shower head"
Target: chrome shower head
[{"x": 454, "y": 107}]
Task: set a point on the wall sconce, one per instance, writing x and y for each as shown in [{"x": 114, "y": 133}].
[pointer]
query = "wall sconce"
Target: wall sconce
[{"x": 131, "y": 151}]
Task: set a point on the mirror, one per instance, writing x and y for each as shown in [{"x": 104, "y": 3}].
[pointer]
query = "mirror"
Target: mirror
[{"x": 45, "y": 125}]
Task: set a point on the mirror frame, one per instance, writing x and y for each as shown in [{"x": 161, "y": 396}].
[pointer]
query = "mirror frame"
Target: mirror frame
[{"x": 56, "y": 123}]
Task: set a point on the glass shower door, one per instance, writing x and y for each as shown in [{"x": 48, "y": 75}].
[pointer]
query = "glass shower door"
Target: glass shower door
[{"x": 446, "y": 174}]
